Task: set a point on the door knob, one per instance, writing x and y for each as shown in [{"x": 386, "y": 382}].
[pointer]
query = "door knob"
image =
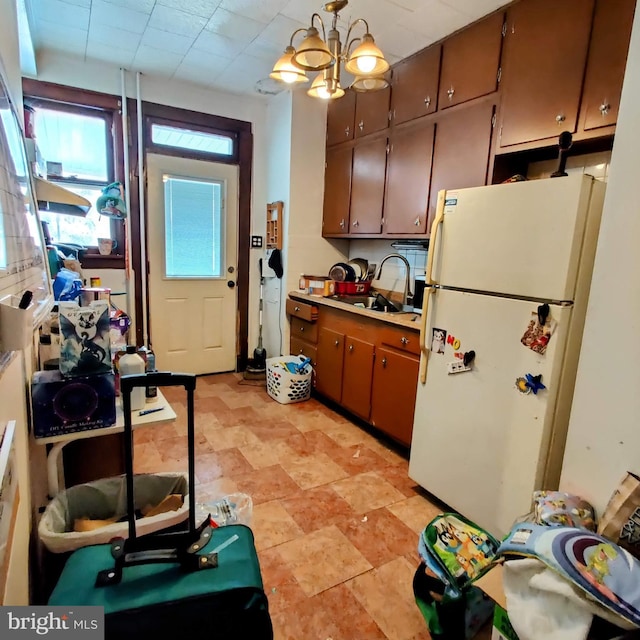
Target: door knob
[{"x": 231, "y": 284}]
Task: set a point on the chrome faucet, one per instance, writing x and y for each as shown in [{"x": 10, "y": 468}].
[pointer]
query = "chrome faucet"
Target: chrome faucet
[{"x": 407, "y": 295}]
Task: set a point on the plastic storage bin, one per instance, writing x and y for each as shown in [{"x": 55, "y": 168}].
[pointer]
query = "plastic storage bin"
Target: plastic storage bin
[{"x": 287, "y": 387}]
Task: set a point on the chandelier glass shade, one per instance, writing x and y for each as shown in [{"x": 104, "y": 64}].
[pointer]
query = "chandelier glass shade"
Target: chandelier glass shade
[{"x": 326, "y": 55}]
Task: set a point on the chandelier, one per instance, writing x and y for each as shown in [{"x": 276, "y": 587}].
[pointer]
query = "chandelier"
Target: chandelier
[{"x": 326, "y": 54}]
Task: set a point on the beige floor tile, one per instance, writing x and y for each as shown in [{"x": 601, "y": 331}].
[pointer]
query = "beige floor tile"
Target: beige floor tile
[
  {"x": 367, "y": 492},
  {"x": 260, "y": 455},
  {"x": 391, "y": 456},
  {"x": 415, "y": 512},
  {"x": 387, "y": 595},
  {"x": 272, "y": 525},
  {"x": 348, "y": 434},
  {"x": 231, "y": 437},
  {"x": 312, "y": 471},
  {"x": 322, "y": 559},
  {"x": 215, "y": 489}
]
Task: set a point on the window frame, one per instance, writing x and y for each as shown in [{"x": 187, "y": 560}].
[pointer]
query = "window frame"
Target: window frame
[{"x": 78, "y": 101}]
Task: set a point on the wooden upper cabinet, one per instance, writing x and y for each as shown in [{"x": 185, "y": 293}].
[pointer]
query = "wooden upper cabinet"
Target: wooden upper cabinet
[
  {"x": 545, "y": 54},
  {"x": 340, "y": 118},
  {"x": 408, "y": 176},
  {"x": 461, "y": 150},
  {"x": 414, "y": 88},
  {"x": 337, "y": 191},
  {"x": 606, "y": 63},
  {"x": 367, "y": 186},
  {"x": 372, "y": 111},
  {"x": 470, "y": 62}
]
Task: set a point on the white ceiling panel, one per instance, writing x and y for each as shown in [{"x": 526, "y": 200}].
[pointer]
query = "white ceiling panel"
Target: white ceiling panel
[
  {"x": 118, "y": 38},
  {"x": 158, "y": 61},
  {"x": 263, "y": 11},
  {"x": 176, "y": 21},
  {"x": 63, "y": 13},
  {"x": 173, "y": 42},
  {"x": 120, "y": 18},
  {"x": 146, "y": 6},
  {"x": 204, "y": 8},
  {"x": 231, "y": 44},
  {"x": 234, "y": 26}
]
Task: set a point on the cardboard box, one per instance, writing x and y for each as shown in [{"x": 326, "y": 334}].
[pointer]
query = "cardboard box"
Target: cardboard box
[{"x": 316, "y": 285}]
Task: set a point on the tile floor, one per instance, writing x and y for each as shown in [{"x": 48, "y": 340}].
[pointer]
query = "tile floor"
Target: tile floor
[{"x": 336, "y": 518}]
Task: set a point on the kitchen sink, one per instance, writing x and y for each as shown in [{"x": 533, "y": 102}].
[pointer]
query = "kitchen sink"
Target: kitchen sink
[{"x": 373, "y": 303}]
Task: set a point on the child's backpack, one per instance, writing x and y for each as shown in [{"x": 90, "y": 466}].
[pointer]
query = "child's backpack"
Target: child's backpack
[{"x": 454, "y": 552}]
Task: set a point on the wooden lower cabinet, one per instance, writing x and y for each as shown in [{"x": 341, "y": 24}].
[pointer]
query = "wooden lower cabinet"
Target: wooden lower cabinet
[
  {"x": 393, "y": 394},
  {"x": 368, "y": 367},
  {"x": 330, "y": 360},
  {"x": 356, "y": 376}
]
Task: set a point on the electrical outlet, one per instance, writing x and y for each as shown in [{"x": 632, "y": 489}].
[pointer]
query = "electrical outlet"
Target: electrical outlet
[
  {"x": 256, "y": 242},
  {"x": 457, "y": 367}
]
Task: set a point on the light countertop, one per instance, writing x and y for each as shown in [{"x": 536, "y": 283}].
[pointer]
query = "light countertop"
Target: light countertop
[{"x": 409, "y": 320}]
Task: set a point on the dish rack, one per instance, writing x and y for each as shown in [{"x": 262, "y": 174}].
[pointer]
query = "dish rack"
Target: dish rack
[{"x": 352, "y": 288}]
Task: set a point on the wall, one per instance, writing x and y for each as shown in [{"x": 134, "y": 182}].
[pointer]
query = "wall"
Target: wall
[
  {"x": 603, "y": 440},
  {"x": 296, "y": 143},
  {"x": 97, "y": 76},
  {"x": 9, "y": 50}
]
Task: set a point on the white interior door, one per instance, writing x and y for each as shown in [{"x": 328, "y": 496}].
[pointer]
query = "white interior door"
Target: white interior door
[
  {"x": 192, "y": 214},
  {"x": 479, "y": 444}
]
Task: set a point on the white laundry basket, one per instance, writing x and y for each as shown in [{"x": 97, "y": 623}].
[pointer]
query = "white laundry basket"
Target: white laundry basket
[{"x": 287, "y": 387}]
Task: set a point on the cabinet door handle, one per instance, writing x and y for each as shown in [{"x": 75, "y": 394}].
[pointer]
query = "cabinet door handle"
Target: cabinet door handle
[
  {"x": 560, "y": 118},
  {"x": 342, "y": 223},
  {"x": 427, "y": 101},
  {"x": 450, "y": 93},
  {"x": 417, "y": 221},
  {"x": 350, "y": 347},
  {"x": 347, "y": 131},
  {"x": 296, "y": 308},
  {"x": 384, "y": 363},
  {"x": 361, "y": 125},
  {"x": 337, "y": 343},
  {"x": 405, "y": 341},
  {"x": 356, "y": 223},
  {"x": 604, "y": 108}
]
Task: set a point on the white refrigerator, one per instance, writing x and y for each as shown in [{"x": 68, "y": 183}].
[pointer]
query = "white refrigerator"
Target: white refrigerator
[{"x": 508, "y": 278}]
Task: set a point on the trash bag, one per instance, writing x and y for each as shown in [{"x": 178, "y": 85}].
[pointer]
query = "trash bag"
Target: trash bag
[
  {"x": 235, "y": 508},
  {"x": 106, "y": 499}
]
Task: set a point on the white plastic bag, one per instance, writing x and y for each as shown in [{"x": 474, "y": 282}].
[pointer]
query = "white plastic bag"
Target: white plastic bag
[{"x": 234, "y": 508}]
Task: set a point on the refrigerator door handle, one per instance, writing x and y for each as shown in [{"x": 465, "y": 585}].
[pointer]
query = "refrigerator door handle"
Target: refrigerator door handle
[
  {"x": 433, "y": 241},
  {"x": 424, "y": 349}
]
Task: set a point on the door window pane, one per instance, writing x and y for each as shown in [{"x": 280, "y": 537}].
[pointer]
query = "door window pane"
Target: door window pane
[
  {"x": 192, "y": 140},
  {"x": 194, "y": 240}
]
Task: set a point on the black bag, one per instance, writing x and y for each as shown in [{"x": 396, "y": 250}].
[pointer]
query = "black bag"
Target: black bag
[{"x": 203, "y": 580}]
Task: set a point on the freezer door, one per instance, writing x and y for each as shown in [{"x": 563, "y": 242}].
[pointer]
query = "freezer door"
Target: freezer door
[
  {"x": 480, "y": 445},
  {"x": 525, "y": 239}
]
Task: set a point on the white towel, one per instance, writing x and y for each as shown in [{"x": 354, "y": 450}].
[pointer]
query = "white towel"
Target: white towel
[{"x": 542, "y": 605}]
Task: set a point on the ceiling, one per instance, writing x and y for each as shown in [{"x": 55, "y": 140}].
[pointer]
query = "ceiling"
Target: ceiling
[{"x": 230, "y": 45}]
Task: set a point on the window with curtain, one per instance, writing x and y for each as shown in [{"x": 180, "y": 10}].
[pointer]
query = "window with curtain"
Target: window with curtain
[{"x": 193, "y": 232}]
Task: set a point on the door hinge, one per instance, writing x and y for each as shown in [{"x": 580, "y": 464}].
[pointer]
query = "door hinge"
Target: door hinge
[
  {"x": 504, "y": 28},
  {"x": 388, "y": 148},
  {"x": 499, "y": 74},
  {"x": 389, "y": 115},
  {"x": 493, "y": 121}
]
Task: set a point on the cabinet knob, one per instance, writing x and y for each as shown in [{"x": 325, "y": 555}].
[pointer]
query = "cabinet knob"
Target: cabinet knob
[
  {"x": 427, "y": 101},
  {"x": 560, "y": 118},
  {"x": 384, "y": 363},
  {"x": 296, "y": 308},
  {"x": 302, "y": 329},
  {"x": 347, "y": 131},
  {"x": 450, "y": 93},
  {"x": 417, "y": 221},
  {"x": 356, "y": 223},
  {"x": 337, "y": 343},
  {"x": 361, "y": 125},
  {"x": 350, "y": 347},
  {"x": 604, "y": 108},
  {"x": 404, "y": 340},
  {"x": 342, "y": 223}
]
